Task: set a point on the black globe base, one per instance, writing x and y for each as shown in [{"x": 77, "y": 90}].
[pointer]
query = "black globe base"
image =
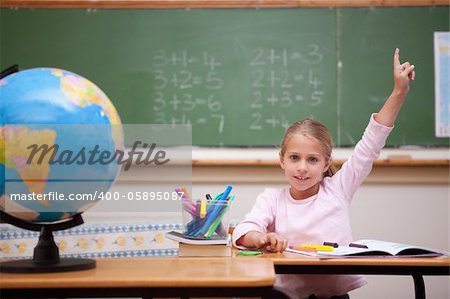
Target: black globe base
[
  {"x": 46, "y": 254},
  {"x": 30, "y": 266}
]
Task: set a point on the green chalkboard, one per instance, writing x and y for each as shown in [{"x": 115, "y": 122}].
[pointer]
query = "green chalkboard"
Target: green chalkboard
[
  {"x": 368, "y": 37},
  {"x": 239, "y": 76}
]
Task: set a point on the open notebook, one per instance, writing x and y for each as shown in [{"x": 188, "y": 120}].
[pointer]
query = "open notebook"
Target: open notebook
[{"x": 375, "y": 248}]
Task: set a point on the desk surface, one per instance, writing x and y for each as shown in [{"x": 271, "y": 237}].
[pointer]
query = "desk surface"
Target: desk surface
[
  {"x": 204, "y": 272},
  {"x": 288, "y": 258},
  {"x": 172, "y": 277},
  {"x": 154, "y": 272},
  {"x": 291, "y": 263}
]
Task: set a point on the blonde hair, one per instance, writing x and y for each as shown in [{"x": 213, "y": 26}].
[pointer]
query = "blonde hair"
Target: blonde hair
[{"x": 315, "y": 129}]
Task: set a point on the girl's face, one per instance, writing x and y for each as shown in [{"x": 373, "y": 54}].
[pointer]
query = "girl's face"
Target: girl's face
[{"x": 304, "y": 164}]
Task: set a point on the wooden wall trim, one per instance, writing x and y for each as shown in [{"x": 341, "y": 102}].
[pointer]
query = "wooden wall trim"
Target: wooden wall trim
[
  {"x": 338, "y": 163},
  {"x": 214, "y": 3},
  {"x": 271, "y": 174}
]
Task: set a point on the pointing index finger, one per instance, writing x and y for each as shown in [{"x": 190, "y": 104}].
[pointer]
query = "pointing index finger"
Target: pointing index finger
[{"x": 397, "y": 57}]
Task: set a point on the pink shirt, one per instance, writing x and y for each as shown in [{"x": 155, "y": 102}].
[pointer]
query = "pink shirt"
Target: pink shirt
[{"x": 322, "y": 217}]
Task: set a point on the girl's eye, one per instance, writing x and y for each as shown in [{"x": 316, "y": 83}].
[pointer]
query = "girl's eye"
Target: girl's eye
[
  {"x": 313, "y": 159},
  {"x": 293, "y": 157}
]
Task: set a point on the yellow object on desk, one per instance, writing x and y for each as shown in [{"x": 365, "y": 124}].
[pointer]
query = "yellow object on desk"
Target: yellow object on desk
[{"x": 326, "y": 248}]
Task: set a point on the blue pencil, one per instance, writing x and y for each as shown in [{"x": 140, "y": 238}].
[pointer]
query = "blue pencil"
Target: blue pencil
[{"x": 216, "y": 210}]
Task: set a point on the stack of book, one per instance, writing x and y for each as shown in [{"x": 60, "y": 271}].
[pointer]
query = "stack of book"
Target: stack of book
[{"x": 201, "y": 247}]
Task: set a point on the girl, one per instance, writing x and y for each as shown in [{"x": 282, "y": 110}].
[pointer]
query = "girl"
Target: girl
[{"x": 315, "y": 208}]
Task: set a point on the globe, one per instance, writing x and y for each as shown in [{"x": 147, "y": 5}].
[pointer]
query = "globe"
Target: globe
[{"x": 55, "y": 128}]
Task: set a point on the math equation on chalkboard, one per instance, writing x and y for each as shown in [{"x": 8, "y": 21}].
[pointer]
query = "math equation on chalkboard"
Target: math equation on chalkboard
[
  {"x": 254, "y": 90},
  {"x": 185, "y": 84}
]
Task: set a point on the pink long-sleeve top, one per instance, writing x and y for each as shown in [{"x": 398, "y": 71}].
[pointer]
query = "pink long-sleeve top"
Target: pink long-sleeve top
[{"x": 322, "y": 217}]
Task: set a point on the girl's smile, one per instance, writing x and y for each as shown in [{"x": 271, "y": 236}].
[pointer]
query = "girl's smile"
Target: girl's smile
[{"x": 301, "y": 178}]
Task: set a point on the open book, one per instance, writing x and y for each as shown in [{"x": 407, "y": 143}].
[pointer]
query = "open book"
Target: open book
[{"x": 375, "y": 248}]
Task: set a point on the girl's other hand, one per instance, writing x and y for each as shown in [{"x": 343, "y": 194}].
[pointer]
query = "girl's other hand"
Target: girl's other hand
[{"x": 272, "y": 242}]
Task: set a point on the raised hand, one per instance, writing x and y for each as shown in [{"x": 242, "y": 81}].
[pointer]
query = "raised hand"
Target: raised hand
[{"x": 403, "y": 74}]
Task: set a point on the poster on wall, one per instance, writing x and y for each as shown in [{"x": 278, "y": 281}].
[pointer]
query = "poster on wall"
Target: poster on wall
[{"x": 442, "y": 82}]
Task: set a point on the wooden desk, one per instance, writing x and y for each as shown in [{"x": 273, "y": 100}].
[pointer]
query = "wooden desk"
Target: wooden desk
[
  {"x": 148, "y": 277},
  {"x": 206, "y": 277},
  {"x": 291, "y": 263}
]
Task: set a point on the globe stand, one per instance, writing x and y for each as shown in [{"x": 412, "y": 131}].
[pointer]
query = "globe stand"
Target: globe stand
[{"x": 46, "y": 253}]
